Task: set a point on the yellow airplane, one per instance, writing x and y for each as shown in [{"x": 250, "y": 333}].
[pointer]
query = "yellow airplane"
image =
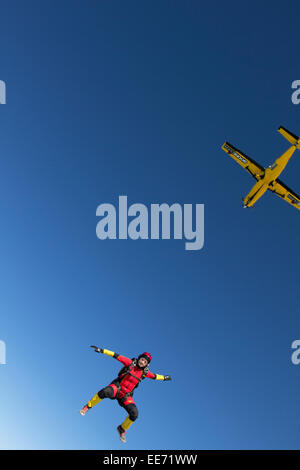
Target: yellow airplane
[{"x": 267, "y": 178}]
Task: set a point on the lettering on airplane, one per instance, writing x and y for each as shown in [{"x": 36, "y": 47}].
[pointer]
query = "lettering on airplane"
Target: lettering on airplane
[
  {"x": 237, "y": 155},
  {"x": 294, "y": 201}
]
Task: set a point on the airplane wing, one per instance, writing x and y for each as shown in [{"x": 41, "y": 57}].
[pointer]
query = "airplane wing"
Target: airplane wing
[
  {"x": 283, "y": 191},
  {"x": 254, "y": 168}
]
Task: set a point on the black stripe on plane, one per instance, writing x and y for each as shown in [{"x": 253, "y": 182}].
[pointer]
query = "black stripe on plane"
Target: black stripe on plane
[
  {"x": 246, "y": 156},
  {"x": 287, "y": 188},
  {"x": 289, "y": 132},
  {"x": 250, "y": 172}
]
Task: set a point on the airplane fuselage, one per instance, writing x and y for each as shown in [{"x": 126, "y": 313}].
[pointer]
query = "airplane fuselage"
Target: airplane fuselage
[{"x": 267, "y": 180}]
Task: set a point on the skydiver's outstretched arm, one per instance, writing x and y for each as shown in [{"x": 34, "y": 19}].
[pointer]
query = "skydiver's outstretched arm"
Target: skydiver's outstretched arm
[
  {"x": 150, "y": 375},
  {"x": 125, "y": 360}
]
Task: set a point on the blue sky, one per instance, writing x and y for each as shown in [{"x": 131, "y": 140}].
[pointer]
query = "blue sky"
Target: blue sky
[{"x": 136, "y": 98}]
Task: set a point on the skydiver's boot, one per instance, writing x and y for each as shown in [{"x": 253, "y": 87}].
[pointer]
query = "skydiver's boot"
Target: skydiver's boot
[
  {"x": 84, "y": 410},
  {"x": 94, "y": 401},
  {"x": 123, "y": 428},
  {"x": 121, "y": 433}
]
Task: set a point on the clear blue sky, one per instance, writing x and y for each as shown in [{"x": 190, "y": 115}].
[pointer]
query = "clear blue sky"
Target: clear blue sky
[{"x": 109, "y": 98}]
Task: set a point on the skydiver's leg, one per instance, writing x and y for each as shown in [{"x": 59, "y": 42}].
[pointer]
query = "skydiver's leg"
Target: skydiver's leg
[
  {"x": 132, "y": 416},
  {"x": 106, "y": 392},
  {"x": 133, "y": 413}
]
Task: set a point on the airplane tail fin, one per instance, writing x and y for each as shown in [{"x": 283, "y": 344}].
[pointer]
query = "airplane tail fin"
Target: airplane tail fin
[{"x": 292, "y": 138}]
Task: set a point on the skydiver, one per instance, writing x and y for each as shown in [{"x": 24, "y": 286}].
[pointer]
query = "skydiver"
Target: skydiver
[{"x": 122, "y": 388}]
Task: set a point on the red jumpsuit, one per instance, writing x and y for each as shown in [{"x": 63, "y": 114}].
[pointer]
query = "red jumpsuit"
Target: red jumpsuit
[{"x": 123, "y": 386}]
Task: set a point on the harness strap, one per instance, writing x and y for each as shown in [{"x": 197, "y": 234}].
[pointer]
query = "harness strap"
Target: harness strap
[
  {"x": 129, "y": 373},
  {"x": 126, "y": 371}
]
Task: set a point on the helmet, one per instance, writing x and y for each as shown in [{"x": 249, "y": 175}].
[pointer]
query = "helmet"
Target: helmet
[{"x": 146, "y": 355}]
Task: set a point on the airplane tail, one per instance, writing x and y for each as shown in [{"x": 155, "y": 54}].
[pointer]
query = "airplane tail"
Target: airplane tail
[{"x": 292, "y": 138}]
